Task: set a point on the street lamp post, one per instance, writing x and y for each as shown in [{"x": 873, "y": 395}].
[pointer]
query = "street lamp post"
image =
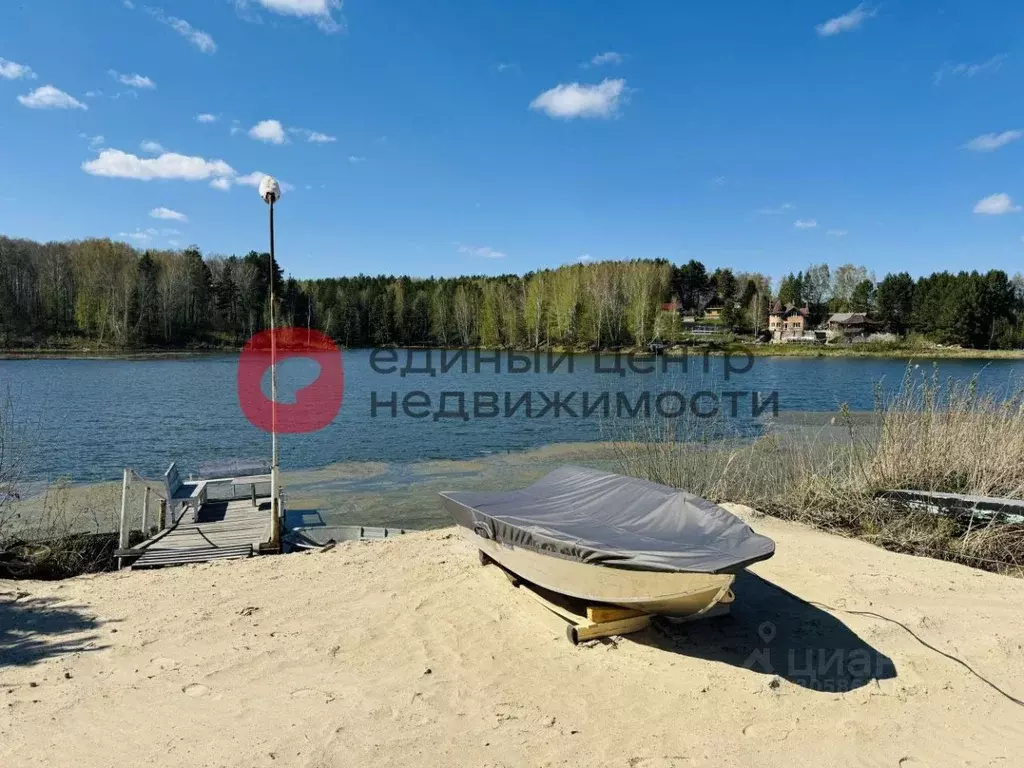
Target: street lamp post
[{"x": 270, "y": 191}]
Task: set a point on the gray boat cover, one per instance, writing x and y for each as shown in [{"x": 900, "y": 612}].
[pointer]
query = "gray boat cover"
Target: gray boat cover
[{"x": 609, "y": 520}]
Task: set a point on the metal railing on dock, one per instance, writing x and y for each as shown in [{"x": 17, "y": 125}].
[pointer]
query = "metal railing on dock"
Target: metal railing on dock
[
  {"x": 207, "y": 520},
  {"x": 151, "y": 490}
]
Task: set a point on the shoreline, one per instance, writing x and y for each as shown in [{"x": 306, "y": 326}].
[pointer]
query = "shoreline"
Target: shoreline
[
  {"x": 404, "y": 495},
  {"x": 756, "y": 350}
]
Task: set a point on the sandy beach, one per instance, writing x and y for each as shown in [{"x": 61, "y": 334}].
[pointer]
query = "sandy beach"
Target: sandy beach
[{"x": 408, "y": 652}]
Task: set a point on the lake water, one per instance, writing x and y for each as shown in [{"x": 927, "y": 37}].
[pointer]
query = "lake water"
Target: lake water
[{"x": 88, "y": 419}]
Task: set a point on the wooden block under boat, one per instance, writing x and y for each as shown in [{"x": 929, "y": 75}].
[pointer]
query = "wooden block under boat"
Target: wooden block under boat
[
  {"x": 609, "y": 620},
  {"x": 600, "y": 613}
]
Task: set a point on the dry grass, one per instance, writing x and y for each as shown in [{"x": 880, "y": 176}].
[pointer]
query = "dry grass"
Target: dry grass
[
  {"x": 51, "y": 536},
  {"x": 63, "y": 539},
  {"x": 945, "y": 436},
  {"x": 10, "y": 464},
  {"x": 931, "y": 435}
]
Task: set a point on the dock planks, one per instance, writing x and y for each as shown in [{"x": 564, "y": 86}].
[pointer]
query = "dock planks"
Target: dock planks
[{"x": 223, "y": 530}]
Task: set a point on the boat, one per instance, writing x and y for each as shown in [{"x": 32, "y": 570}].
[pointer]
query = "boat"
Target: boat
[{"x": 609, "y": 539}]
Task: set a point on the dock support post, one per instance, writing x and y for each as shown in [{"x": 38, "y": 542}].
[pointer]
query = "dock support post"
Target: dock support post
[
  {"x": 145, "y": 513},
  {"x": 164, "y": 522},
  {"x": 122, "y": 541},
  {"x": 275, "y": 524}
]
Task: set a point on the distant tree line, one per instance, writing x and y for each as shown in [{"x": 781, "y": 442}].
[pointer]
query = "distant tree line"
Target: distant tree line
[
  {"x": 99, "y": 291},
  {"x": 111, "y": 293}
]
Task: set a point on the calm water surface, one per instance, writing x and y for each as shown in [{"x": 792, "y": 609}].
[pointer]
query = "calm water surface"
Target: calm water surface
[{"x": 88, "y": 419}]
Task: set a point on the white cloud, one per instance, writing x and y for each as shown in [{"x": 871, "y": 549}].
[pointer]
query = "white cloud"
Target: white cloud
[
  {"x": 152, "y": 147},
  {"x": 483, "y": 251},
  {"x": 249, "y": 180},
  {"x": 168, "y": 214},
  {"x": 129, "y": 5},
  {"x": 837, "y": 233},
  {"x": 356, "y": 159},
  {"x": 848, "y": 21},
  {"x": 198, "y": 38},
  {"x": 970, "y": 70},
  {"x": 132, "y": 81},
  {"x": 718, "y": 181},
  {"x": 571, "y": 100},
  {"x": 319, "y": 11},
  {"x": 776, "y": 211},
  {"x": 113, "y": 163},
  {"x": 583, "y": 258},
  {"x": 314, "y": 137},
  {"x": 11, "y": 70},
  {"x": 505, "y": 67},
  {"x": 995, "y": 205},
  {"x": 49, "y": 97},
  {"x": 608, "y": 57},
  {"x": 988, "y": 142},
  {"x": 270, "y": 131},
  {"x": 805, "y": 224},
  {"x": 142, "y": 235},
  {"x": 95, "y": 142},
  {"x": 206, "y": 117},
  {"x": 93, "y": 94}
]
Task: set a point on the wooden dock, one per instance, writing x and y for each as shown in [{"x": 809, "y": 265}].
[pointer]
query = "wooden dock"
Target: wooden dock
[
  {"x": 964, "y": 507},
  {"x": 193, "y": 528},
  {"x": 223, "y": 530}
]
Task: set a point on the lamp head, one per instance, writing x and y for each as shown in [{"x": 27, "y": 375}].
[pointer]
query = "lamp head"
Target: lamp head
[{"x": 270, "y": 190}]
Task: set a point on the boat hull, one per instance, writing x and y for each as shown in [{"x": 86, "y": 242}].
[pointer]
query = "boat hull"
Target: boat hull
[{"x": 663, "y": 593}]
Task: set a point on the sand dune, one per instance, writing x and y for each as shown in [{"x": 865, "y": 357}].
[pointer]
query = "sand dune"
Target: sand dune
[{"x": 407, "y": 652}]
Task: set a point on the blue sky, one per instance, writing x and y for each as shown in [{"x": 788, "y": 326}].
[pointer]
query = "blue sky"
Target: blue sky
[{"x": 489, "y": 137}]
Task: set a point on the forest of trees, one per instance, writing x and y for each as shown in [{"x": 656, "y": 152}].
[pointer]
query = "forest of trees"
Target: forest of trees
[{"x": 108, "y": 293}]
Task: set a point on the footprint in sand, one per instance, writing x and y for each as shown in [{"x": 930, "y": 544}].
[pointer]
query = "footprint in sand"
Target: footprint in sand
[
  {"x": 195, "y": 690},
  {"x": 164, "y": 663},
  {"x": 659, "y": 762},
  {"x": 304, "y": 693},
  {"x": 766, "y": 731},
  {"x": 912, "y": 762}
]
